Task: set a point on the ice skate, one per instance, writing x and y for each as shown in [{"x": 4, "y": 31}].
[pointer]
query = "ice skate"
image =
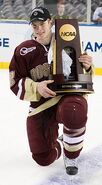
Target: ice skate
[{"x": 71, "y": 166}]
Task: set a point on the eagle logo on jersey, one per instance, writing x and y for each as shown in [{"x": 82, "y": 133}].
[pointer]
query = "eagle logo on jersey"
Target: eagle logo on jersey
[{"x": 40, "y": 71}]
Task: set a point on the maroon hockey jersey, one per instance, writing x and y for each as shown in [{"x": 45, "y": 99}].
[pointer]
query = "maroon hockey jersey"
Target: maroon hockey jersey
[{"x": 29, "y": 65}]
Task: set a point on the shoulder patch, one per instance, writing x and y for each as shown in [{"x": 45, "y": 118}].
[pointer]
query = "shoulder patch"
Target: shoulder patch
[{"x": 24, "y": 50}]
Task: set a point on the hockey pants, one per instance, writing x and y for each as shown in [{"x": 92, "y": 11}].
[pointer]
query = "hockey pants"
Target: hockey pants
[{"x": 42, "y": 130}]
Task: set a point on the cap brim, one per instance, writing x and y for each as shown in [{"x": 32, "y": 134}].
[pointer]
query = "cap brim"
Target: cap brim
[{"x": 37, "y": 19}]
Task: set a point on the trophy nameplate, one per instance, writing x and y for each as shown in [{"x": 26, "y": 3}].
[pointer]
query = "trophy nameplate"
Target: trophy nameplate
[{"x": 67, "y": 39}]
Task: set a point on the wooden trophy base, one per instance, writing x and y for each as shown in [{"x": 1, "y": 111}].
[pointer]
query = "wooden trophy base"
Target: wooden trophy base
[{"x": 83, "y": 85}]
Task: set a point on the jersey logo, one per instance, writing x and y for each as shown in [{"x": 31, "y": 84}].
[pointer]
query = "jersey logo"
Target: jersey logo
[
  {"x": 40, "y": 71},
  {"x": 24, "y": 50}
]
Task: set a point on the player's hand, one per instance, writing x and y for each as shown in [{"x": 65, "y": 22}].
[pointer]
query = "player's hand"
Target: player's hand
[
  {"x": 86, "y": 61},
  {"x": 43, "y": 90}
]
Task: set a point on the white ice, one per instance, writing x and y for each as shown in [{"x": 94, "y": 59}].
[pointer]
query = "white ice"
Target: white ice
[{"x": 16, "y": 164}]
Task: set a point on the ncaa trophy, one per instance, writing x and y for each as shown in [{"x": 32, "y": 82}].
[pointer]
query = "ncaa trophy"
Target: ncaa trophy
[{"x": 67, "y": 41}]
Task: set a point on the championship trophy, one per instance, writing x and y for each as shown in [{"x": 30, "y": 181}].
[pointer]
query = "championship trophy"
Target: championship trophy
[{"x": 67, "y": 44}]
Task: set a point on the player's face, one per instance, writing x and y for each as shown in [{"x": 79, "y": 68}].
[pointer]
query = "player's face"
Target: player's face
[{"x": 42, "y": 30}]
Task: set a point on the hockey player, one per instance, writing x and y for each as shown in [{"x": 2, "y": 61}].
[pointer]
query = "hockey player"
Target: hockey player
[{"x": 29, "y": 70}]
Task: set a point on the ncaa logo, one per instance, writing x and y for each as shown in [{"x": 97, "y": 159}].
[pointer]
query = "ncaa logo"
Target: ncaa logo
[{"x": 67, "y": 32}]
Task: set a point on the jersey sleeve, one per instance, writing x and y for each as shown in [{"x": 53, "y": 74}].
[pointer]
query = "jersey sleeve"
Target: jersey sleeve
[{"x": 20, "y": 82}]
